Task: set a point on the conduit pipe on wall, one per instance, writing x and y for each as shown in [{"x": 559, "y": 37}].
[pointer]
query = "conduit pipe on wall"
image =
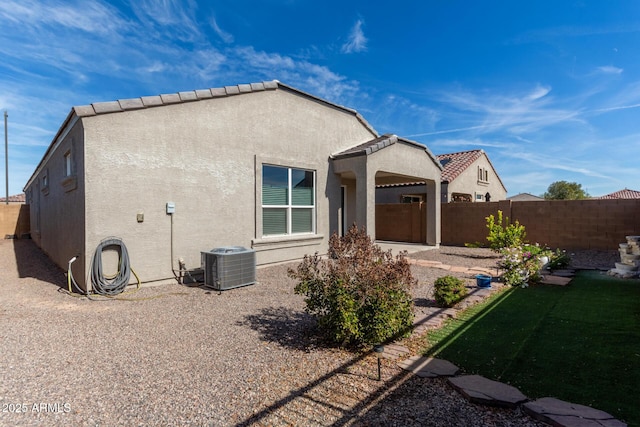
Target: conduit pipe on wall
[{"x": 182, "y": 268}]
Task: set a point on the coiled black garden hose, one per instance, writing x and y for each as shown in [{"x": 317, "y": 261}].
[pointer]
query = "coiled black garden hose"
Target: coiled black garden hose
[{"x": 113, "y": 285}]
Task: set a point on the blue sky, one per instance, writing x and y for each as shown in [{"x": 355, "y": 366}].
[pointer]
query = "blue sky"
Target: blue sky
[{"x": 549, "y": 89}]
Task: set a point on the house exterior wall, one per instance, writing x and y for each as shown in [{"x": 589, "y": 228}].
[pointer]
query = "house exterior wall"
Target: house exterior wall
[
  {"x": 468, "y": 183},
  {"x": 56, "y": 201},
  {"x": 207, "y": 157}
]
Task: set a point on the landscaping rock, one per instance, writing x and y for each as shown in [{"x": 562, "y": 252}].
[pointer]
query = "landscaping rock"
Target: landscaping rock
[
  {"x": 564, "y": 414},
  {"x": 428, "y": 367},
  {"x": 394, "y": 351},
  {"x": 479, "y": 389}
]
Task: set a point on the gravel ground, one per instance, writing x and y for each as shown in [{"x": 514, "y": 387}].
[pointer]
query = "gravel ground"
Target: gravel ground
[{"x": 189, "y": 356}]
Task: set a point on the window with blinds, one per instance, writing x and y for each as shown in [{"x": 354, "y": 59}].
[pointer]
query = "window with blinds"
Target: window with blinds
[{"x": 288, "y": 200}]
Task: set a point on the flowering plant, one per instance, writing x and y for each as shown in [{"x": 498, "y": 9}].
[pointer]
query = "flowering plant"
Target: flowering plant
[{"x": 522, "y": 264}]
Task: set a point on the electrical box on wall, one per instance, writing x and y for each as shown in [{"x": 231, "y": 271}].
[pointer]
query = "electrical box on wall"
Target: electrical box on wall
[{"x": 171, "y": 208}]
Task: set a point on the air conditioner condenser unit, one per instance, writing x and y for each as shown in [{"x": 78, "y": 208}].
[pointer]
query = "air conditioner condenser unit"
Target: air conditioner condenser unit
[{"x": 229, "y": 267}]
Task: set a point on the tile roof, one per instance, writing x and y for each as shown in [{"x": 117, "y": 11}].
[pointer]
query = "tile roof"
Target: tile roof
[
  {"x": 456, "y": 163},
  {"x": 123, "y": 105},
  {"x": 378, "y": 144},
  {"x": 369, "y": 147},
  {"x": 173, "y": 98},
  {"x": 622, "y": 194},
  {"x": 16, "y": 198},
  {"x": 525, "y": 197}
]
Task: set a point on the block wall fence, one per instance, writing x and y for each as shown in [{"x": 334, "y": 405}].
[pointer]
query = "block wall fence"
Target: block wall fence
[
  {"x": 565, "y": 224},
  {"x": 14, "y": 220}
]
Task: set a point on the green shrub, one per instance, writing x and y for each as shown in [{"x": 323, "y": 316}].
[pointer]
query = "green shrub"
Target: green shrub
[
  {"x": 449, "y": 290},
  {"x": 504, "y": 236},
  {"x": 360, "y": 293}
]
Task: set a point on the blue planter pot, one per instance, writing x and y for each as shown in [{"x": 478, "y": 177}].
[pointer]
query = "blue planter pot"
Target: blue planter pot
[{"x": 483, "y": 281}]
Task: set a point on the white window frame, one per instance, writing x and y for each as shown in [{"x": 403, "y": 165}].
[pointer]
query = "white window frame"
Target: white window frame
[{"x": 290, "y": 206}]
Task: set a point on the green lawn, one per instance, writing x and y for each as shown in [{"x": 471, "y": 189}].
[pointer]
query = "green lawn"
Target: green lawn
[{"x": 579, "y": 343}]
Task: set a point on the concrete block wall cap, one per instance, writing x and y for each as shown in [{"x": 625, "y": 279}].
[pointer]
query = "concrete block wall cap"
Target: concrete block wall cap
[
  {"x": 107, "y": 107},
  {"x": 151, "y": 101},
  {"x": 170, "y": 98}
]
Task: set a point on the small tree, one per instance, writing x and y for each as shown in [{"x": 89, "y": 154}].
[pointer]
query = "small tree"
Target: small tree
[
  {"x": 504, "y": 236},
  {"x": 360, "y": 293},
  {"x": 563, "y": 190}
]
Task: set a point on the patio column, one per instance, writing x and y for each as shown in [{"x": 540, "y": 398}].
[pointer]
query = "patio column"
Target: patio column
[
  {"x": 366, "y": 200},
  {"x": 433, "y": 212}
]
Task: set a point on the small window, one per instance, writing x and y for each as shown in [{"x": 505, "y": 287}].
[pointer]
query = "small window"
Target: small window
[
  {"x": 408, "y": 198},
  {"x": 483, "y": 175},
  {"x": 68, "y": 169},
  {"x": 45, "y": 183},
  {"x": 288, "y": 201}
]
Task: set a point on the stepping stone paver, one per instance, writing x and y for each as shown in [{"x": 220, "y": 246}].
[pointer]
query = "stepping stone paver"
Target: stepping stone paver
[
  {"x": 429, "y": 367},
  {"x": 555, "y": 280},
  {"x": 479, "y": 389},
  {"x": 564, "y": 273},
  {"x": 564, "y": 414}
]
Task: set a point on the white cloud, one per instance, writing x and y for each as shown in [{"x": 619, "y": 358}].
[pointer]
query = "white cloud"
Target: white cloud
[
  {"x": 357, "y": 41},
  {"x": 225, "y": 36},
  {"x": 539, "y": 92},
  {"x": 609, "y": 69}
]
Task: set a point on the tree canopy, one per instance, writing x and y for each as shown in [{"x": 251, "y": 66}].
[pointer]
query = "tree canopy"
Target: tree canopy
[{"x": 563, "y": 190}]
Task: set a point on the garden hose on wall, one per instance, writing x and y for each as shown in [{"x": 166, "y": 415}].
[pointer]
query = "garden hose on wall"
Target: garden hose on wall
[{"x": 111, "y": 285}]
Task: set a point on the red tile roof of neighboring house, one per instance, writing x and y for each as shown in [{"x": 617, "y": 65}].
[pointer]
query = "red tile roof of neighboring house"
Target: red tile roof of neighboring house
[
  {"x": 456, "y": 163},
  {"x": 17, "y": 198},
  {"x": 622, "y": 194}
]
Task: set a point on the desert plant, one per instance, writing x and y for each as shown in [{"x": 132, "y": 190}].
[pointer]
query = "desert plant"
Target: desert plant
[
  {"x": 559, "y": 259},
  {"x": 359, "y": 293},
  {"x": 448, "y": 290},
  {"x": 504, "y": 236}
]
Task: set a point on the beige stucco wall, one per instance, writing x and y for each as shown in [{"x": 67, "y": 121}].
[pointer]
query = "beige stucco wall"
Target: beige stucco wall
[
  {"x": 467, "y": 182},
  {"x": 57, "y": 210},
  {"x": 206, "y": 157}
]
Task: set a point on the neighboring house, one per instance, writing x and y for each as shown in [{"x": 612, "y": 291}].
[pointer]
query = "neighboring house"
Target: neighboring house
[
  {"x": 263, "y": 165},
  {"x": 16, "y": 198},
  {"x": 525, "y": 197},
  {"x": 467, "y": 176},
  {"x": 622, "y": 194}
]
